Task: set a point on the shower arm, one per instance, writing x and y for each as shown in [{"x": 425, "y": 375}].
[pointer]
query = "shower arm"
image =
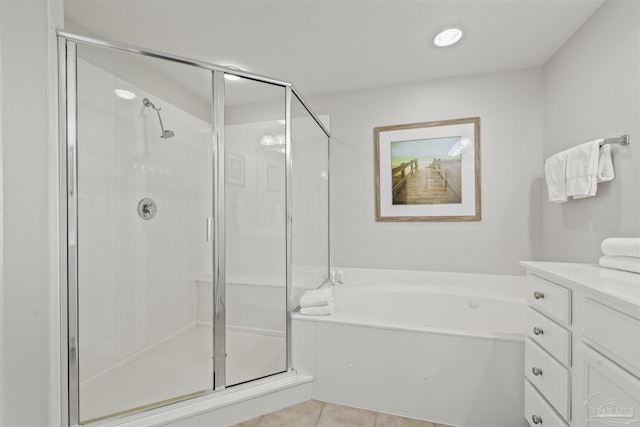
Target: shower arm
[{"x": 159, "y": 118}]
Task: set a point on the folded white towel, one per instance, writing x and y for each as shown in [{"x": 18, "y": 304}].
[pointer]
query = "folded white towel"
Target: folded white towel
[
  {"x": 316, "y": 297},
  {"x": 583, "y": 164},
  {"x": 621, "y": 246},
  {"x": 554, "y": 173},
  {"x": 323, "y": 310},
  {"x": 619, "y": 281},
  {"x": 624, "y": 263}
]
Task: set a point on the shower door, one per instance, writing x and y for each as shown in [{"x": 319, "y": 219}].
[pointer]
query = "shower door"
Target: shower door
[
  {"x": 176, "y": 217},
  {"x": 142, "y": 189},
  {"x": 255, "y": 201}
]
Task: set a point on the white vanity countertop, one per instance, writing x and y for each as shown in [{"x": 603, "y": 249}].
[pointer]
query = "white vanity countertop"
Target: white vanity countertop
[{"x": 611, "y": 284}]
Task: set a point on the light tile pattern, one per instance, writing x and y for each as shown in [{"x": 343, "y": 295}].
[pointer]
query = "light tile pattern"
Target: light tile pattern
[{"x": 314, "y": 413}]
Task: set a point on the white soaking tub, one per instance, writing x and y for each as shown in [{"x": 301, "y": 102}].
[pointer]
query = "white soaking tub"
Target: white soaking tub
[{"x": 443, "y": 347}]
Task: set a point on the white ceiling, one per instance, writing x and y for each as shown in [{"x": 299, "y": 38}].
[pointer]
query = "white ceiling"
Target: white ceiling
[{"x": 329, "y": 46}]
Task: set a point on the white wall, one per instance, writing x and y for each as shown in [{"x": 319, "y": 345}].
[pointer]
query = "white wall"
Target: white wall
[
  {"x": 28, "y": 377},
  {"x": 510, "y": 107},
  {"x": 592, "y": 90}
]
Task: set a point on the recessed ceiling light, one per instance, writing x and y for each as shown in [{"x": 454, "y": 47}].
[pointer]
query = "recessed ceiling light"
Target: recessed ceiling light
[
  {"x": 448, "y": 37},
  {"x": 125, "y": 94},
  {"x": 232, "y": 77}
]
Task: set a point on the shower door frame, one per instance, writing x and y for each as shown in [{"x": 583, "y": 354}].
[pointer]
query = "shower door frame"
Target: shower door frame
[{"x": 68, "y": 168}]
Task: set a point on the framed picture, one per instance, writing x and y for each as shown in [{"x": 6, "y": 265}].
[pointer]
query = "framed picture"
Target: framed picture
[
  {"x": 428, "y": 171},
  {"x": 235, "y": 169},
  {"x": 273, "y": 179}
]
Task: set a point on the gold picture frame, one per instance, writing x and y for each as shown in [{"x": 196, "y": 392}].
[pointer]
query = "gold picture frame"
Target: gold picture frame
[{"x": 428, "y": 171}]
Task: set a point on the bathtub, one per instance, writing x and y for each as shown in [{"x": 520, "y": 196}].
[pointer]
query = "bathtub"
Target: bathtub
[{"x": 442, "y": 347}]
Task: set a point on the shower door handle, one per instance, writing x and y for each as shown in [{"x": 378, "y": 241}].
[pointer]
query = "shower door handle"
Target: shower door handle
[
  {"x": 209, "y": 229},
  {"x": 72, "y": 170}
]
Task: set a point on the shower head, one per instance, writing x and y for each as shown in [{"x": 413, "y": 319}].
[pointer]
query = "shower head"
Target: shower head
[
  {"x": 148, "y": 103},
  {"x": 166, "y": 133}
]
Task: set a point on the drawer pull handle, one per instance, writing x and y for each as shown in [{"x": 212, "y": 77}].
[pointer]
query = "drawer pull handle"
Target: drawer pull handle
[
  {"x": 536, "y": 419},
  {"x": 537, "y": 331},
  {"x": 536, "y": 371},
  {"x": 538, "y": 295}
]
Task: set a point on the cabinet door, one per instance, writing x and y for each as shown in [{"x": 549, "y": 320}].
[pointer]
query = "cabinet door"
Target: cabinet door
[{"x": 606, "y": 393}]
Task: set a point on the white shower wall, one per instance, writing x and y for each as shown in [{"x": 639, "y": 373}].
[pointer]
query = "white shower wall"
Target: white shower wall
[
  {"x": 255, "y": 229},
  {"x": 137, "y": 279},
  {"x": 255, "y": 207}
]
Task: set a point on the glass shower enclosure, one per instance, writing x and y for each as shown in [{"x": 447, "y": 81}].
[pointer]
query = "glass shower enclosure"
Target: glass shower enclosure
[{"x": 179, "y": 181}]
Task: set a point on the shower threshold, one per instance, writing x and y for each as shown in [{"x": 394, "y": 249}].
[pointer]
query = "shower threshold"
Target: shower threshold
[{"x": 227, "y": 407}]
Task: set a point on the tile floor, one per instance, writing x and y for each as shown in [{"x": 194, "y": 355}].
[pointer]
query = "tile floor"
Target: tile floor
[{"x": 314, "y": 413}]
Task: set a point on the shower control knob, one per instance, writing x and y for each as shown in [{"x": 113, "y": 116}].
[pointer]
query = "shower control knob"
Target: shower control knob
[
  {"x": 537, "y": 331},
  {"x": 536, "y": 371},
  {"x": 536, "y": 419},
  {"x": 147, "y": 209},
  {"x": 538, "y": 295}
]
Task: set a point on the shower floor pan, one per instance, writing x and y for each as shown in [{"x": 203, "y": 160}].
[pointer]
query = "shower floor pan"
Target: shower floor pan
[{"x": 181, "y": 367}]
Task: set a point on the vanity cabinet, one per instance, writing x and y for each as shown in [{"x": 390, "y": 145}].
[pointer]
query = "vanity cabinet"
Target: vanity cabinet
[{"x": 582, "y": 349}]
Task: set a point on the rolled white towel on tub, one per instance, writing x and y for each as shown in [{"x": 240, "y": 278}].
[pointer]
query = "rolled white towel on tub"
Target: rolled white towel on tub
[
  {"x": 624, "y": 263},
  {"x": 322, "y": 310},
  {"x": 622, "y": 246},
  {"x": 316, "y": 297}
]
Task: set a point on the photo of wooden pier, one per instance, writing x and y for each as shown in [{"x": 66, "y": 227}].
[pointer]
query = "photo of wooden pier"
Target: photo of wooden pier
[{"x": 426, "y": 172}]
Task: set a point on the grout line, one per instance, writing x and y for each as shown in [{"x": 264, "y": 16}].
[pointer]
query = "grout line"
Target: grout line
[{"x": 321, "y": 411}]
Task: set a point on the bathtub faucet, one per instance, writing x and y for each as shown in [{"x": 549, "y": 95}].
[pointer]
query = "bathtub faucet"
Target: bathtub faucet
[{"x": 336, "y": 277}]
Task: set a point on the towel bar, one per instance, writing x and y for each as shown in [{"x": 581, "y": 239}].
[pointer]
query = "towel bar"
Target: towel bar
[{"x": 624, "y": 139}]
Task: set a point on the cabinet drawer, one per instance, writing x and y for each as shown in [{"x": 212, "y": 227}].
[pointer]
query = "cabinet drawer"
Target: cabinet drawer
[
  {"x": 552, "y": 381},
  {"x": 536, "y": 409},
  {"x": 551, "y": 336},
  {"x": 549, "y": 298},
  {"x": 616, "y": 334}
]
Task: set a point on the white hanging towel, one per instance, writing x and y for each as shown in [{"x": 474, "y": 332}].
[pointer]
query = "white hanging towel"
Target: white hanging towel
[
  {"x": 554, "y": 172},
  {"x": 605, "y": 164},
  {"x": 587, "y": 165}
]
